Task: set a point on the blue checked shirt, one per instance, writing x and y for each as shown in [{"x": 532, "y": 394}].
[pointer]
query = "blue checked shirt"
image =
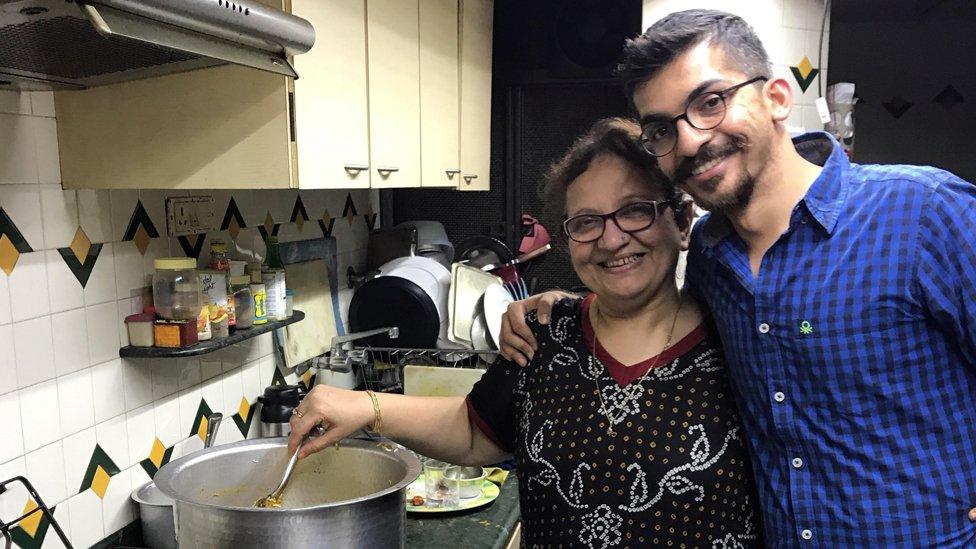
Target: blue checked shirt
[{"x": 852, "y": 355}]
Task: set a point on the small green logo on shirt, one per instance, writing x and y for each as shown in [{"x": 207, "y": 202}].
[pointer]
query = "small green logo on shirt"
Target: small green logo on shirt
[{"x": 806, "y": 328}]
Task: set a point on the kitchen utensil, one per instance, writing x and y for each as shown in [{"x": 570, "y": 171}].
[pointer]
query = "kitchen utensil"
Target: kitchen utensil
[
  {"x": 274, "y": 498},
  {"x": 468, "y": 284},
  {"x": 479, "y": 251},
  {"x": 496, "y": 300},
  {"x": 439, "y": 380},
  {"x": 439, "y": 490},
  {"x": 432, "y": 241},
  {"x": 470, "y": 480},
  {"x": 277, "y": 404},
  {"x": 385, "y": 245},
  {"x": 479, "y": 335},
  {"x": 350, "y": 496},
  {"x": 489, "y": 493}
]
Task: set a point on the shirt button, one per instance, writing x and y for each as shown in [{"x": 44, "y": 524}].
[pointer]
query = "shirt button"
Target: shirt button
[
  {"x": 803, "y": 220},
  {"x": 778, "y": 396},
  {"x": 764, "y": 328},
  {"x": 806, "y": 534},
  {"x": 797, "y": 463}
]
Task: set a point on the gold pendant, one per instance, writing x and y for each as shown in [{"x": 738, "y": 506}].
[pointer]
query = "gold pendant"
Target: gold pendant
[{"x": 611, "y": 432}]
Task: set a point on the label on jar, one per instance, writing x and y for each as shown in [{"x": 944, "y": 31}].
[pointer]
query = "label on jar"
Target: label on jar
[
  {"x": 260, "y": 304},
  {"x": 274, "y": 284}
]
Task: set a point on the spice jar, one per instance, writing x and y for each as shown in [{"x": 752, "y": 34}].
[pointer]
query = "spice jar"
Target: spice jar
[
  {"x": 176, "y": 288},
  {"x": 240, "y": 288},
  {"x": 140, "y": 327},
  {"x": 260, "y": 297}
]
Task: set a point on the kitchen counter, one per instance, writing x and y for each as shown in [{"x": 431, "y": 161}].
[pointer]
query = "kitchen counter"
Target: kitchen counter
[{"x": 486, "y": 527}]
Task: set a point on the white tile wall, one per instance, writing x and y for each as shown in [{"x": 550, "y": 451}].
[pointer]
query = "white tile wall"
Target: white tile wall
[{"x": 63, "y": 387}]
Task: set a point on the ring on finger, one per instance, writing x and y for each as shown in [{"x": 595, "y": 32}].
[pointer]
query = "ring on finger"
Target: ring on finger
[{"x": 295, "y": 412}]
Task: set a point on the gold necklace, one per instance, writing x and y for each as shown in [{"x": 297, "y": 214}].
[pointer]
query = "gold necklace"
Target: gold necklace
[{"x": 640, "y": 382}]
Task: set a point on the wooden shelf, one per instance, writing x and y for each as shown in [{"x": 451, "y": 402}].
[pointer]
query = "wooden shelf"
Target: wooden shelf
[{"x": 211, "y": 345}]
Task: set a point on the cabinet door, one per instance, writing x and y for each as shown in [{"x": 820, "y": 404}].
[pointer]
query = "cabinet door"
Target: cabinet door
[
  {"x": 394, "y": 92},
  {"x": 439, "y": 94},
  {"x": 332, "y": 120},
  {"x": 476, "y": 30}
]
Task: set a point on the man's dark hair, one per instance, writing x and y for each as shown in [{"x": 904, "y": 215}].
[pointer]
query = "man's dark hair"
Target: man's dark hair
[
  {"x": 674, "y": 34},
  {"x": 617, "y": 137}
]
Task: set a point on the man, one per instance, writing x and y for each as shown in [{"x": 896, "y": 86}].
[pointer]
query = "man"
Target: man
[{"x": 844, "y": 296}]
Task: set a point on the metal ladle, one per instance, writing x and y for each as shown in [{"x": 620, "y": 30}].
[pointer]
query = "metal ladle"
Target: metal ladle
[{"x": 274, "y": 498}]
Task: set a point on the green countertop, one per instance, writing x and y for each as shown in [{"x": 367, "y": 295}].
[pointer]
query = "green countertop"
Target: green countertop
[{"x": 490, "y": 526}]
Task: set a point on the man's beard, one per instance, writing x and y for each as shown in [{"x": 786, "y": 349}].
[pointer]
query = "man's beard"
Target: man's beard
[{"x": 729, "y": 203}]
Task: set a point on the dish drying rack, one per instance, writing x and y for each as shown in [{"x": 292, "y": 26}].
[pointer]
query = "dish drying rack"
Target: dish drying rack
[{"x": 382, "y": 367}]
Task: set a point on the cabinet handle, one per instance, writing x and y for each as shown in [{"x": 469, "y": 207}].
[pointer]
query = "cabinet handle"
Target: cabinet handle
[
  {"x": 354, "y": 169},
  {"x": 452, "y": 173},
  {"x": 470, "y": 177},
  {"x": 386, "y": 171}
]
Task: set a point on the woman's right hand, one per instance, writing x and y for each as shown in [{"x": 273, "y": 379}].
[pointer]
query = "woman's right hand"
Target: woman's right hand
[
  {"x": 340, "y": 411},
  {"x": 518, "y": 343}
]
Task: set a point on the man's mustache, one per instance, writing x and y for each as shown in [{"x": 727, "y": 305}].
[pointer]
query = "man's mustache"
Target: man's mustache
[{"x": 705, "y": 155}]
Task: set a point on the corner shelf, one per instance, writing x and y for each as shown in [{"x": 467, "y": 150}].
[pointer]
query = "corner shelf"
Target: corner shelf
[{"x": 211, "y": 345}]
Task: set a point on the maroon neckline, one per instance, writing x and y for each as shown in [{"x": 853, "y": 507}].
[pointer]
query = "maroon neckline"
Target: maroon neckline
[{"x": 623, "y": 374}]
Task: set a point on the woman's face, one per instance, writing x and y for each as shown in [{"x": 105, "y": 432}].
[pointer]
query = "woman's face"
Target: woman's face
[{"x": 620, "y": 266}]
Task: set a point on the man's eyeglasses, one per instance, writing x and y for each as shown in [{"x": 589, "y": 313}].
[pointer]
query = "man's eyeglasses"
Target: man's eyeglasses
[
  {"x": 704, "y": 112},
  {"x": 630, "y": 218}
]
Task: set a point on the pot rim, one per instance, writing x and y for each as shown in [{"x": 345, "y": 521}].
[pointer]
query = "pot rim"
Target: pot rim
[{"x": 165, "y": 475}]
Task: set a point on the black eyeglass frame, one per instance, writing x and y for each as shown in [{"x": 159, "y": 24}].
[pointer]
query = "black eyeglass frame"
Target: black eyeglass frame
[
  {"x": 723, "y": 95},
  {"x": 658, "y": 207}
]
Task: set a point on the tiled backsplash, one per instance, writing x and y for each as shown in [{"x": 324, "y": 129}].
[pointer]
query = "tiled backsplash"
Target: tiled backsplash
[{"x": 83, "y": 425}]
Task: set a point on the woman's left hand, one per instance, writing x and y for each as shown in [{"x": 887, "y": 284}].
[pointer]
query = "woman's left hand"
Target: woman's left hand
[{"x": 340, "y": 411}]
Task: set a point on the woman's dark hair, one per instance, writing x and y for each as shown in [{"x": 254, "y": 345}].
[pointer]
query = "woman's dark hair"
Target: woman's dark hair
[
  {"x": 645, "y": 55},
  {"x": 617, "y": 137}
]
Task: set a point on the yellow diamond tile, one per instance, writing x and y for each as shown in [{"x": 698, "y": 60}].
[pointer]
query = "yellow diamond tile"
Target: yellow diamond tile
[
  {"x": 157, "y": 453},
  {"x": 8, "y": 255},
  {"x": 268, "y": 223},
  {"x": 244, "y": 409},
  {"x": 80, "y": 245},
  {"x": 100, "y": 482},
  {"x": 233, "y": 228},
  {"x": 31, "y": 523},
  {"x": 805, "y": 67},
  {"x": 142, "y": 239},
  {"x": 300, "y": 222},
  {"x": 202, "y": 431},
  {"x": 326, "y": 218}
]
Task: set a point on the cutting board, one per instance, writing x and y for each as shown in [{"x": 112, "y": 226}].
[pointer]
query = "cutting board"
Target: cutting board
[
  {"x": 439, "y": 381},
  {"x": 313, "y": 295}
]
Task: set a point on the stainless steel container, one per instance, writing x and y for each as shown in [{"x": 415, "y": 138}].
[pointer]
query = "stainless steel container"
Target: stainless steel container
[
  {"x": 351, "y": 496},
  {"x": 156, "y": 516},
  {"x": 470, "y": 480}
]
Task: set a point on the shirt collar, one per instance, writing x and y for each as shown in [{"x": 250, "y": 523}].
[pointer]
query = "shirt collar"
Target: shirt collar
[{"x": 825, "y": 196}]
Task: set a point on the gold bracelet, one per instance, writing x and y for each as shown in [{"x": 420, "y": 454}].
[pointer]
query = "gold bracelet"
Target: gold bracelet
[{"x": 377, "y": 416}]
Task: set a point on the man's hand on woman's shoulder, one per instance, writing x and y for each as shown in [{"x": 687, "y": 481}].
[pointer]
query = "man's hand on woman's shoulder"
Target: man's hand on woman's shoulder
[{"x": 518, "y": 342}]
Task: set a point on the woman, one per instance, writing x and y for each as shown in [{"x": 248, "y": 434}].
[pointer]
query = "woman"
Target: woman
[{"x": 623, "y": 423}]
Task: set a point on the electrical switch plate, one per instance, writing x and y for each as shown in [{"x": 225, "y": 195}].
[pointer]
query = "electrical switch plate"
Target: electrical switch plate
[{"x": 186, "y": 215}]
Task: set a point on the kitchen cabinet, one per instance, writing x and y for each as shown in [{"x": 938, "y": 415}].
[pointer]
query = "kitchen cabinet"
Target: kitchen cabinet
[
  {"x": 388, "y": 97},
  {"x": 475, "y": 66}
]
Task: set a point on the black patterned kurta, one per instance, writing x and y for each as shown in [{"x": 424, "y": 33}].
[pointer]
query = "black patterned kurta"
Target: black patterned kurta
[{"x": 675, "y": 474}]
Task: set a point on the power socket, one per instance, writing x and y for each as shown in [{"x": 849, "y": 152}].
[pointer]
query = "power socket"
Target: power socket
[{"x": 186, "y": 215}]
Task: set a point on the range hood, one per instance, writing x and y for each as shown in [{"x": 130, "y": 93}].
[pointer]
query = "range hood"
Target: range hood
[{"x": 76, "y": 44}]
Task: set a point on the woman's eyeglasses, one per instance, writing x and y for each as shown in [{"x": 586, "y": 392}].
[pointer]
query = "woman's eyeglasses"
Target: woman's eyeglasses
[{"x": 630, "y": 218}]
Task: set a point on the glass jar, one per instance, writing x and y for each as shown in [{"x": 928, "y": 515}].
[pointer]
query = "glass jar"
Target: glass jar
[
  {"x": 240, "y": 287},
  {"x": 176, "y": 288}
]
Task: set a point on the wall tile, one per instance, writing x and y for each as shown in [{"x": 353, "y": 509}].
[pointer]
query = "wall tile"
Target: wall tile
[
  {"x": 42, "y": 103},
  {"x": 5, "y": 316},
  {"x": 189, "y": 372},
  {"x": 165, "y": 377},
  {"x": 12, "y": 102},
  {"x": 62, "y": 516},
  {"x": 33, "y": 351},
  {"x": 101, "y": 285},
  {"x": 59, "y": 213},
  {"x": 11, "y": 430},
  {"x": 78, "y": 450},
  {"x": 46, "y": 141},
  {"x": 129, "y": 274},
  {"x": 188, "y": 446},
  {"x": 12, "y": 501},
  {"x": 126, "y": 307},
  {"x": 212, "y": 391},
  {"x": 123, "y": 203},
  {"x": 266, "y": 368},
  {"x": 141, "y": 426},
  {"x": 138, "y": 477},
  {"x": 167, "y": 416},
  {"x": 118, "y": 509},
  {"x": 107, "y": 390},
  {"x": 28, "y": 299},
  {"x": 112, "y": 436},
  {"x": 189, "y": 401},
  {"x": 137, "y": 382},
  {"x": 64, "y": 290},
  {"x": 154, "y": 200},
  {"x": 95, "y": 214},
  {"x": 77, "y": 401},
  {"x": 103, "y": 332},
  {"x": 251, "y": 377},
  {"x": 8, "y": 368},
  {"x": 795, "y": 14},
  {"x": 70, "y": 331},
  {"x": 45, "y": 469},
  {"x": 158, "y": 247},
  {"x": 17, "y": 152},
  {"x": 40, "y": 414},
  {"x": 210, "y": 366},
  {"x": 85, "y": 514}
]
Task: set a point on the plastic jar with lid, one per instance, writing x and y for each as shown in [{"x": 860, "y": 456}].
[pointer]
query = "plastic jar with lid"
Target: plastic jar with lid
[{"x": 176, "y": 288}]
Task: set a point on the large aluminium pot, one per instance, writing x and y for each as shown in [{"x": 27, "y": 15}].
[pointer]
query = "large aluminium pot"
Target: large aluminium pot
[{"x": 352, "y": 496}]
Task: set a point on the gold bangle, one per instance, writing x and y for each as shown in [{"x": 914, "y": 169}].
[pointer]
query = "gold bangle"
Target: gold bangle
[{"x": 377, "y": 416}]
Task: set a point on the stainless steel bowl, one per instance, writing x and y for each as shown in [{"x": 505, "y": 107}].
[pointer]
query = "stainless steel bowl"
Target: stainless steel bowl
[
  {"x": 156, "y": 516},
  {"x": 352, "y": 496},
  {"x": 470, "y": 480}
]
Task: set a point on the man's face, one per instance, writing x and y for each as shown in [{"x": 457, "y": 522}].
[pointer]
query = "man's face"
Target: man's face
[{"x": 717, "y": 167}]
